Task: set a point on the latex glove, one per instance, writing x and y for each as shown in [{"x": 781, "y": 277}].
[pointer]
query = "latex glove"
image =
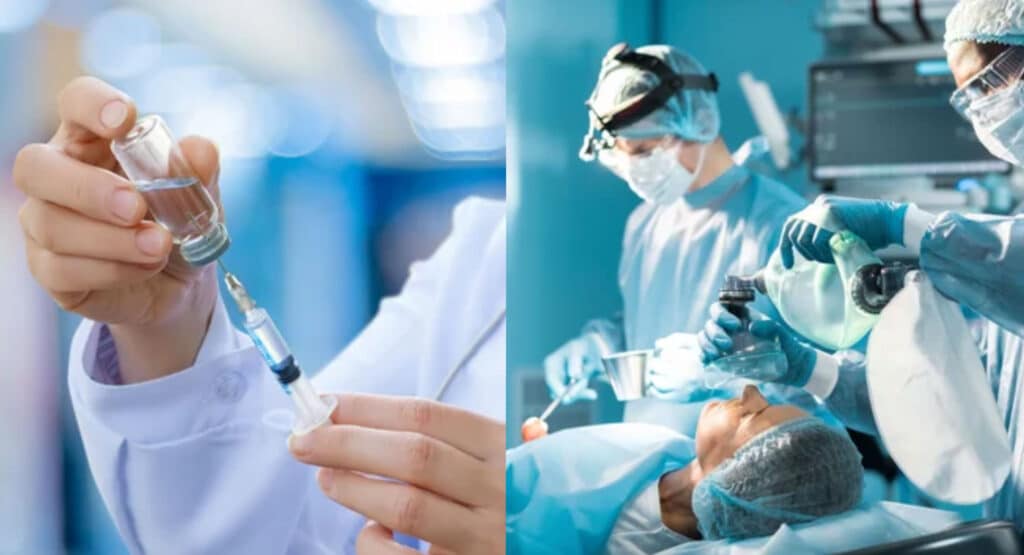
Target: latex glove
[
  {"x": 716, "y": 342},
  {"x": 878, "y": 222},
  {"x": 578, "y": 359},
  {"x": 675, "y": 367}
]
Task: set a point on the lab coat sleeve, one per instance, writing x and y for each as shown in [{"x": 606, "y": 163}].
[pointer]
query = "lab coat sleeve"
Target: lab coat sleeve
[
  {"x": 978, "y": 261},
  {"x": 385, "y": 358},
  {"x": 185, "y": 463},
  {"x": 192, "y": 462}
]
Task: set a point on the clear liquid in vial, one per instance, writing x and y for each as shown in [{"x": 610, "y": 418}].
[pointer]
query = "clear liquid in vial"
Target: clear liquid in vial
[{"x": 182, "y": 205}]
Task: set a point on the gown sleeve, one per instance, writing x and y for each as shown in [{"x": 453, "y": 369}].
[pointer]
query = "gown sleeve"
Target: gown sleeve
[{"x": 978, "y": 261}]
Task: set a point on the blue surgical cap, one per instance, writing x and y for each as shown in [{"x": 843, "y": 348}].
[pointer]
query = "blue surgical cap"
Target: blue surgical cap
[
  {"x": 998, "y": 21},
  {"x": 690, "y": 114},
  {"x": 795, "y": 472}
]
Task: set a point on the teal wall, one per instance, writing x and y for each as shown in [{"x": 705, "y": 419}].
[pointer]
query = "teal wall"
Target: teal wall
[
  {"x": 567, "y": 217},
  {"x": 775, "y": 40}
]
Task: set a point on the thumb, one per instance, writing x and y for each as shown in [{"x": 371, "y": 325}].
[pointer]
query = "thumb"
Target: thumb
[
  {"x": 765, "y": 329},
  {"x": 203, "y": 157}
]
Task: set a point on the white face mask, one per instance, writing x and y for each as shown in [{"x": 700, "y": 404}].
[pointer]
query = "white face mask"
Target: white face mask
[
  {"x": 931, "y": 400},
  {"x": 657, "y": 176}
]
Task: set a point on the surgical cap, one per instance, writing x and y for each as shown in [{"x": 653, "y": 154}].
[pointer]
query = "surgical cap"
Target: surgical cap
[
  {"x": 795, "y": 472},
  {"x": 690, "y": 114},
  {"x": 998, "y": 21}
]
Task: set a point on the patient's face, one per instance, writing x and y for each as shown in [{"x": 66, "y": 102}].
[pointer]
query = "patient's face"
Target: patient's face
[{"x": 724, "y": 426}]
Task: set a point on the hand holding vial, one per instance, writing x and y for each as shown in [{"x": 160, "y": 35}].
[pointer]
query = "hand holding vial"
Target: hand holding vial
[{"x": 88, "y": 241}]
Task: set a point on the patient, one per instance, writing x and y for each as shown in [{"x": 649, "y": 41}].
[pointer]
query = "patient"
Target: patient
[{"x": 637, "y": 488}]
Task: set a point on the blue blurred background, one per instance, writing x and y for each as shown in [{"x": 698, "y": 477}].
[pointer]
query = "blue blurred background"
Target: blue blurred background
[
  {"x": 566, "y": 217},
  {"x": 348, "y": 129}
]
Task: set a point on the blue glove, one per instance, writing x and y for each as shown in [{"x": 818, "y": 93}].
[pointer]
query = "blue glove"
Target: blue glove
[
  {"x": 878, "y": 222},
  {"x": 715, "y": 342},
  {"x": 575, "y": 362}
]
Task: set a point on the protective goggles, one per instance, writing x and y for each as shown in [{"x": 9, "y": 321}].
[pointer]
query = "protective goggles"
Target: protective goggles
[
  {"x": 620, "y": 161},
  {"x": 603, "y": 126},
  {"x": 1002, "y": 73}
]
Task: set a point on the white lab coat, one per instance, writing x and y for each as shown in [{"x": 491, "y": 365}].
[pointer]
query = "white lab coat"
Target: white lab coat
[{"x": 186, "y": 464}]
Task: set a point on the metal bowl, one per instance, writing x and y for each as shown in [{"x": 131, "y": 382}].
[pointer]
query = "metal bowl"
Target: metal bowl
[{"x": 627, "y": 372}]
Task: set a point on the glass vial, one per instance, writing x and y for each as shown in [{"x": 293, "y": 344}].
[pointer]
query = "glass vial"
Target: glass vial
[{"x": 150, "y": 157}]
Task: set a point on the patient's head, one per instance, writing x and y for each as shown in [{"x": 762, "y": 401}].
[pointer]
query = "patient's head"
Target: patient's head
[{"x": 765, "y": 465}]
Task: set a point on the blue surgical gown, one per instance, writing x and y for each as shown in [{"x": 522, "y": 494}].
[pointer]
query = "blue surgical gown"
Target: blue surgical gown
[
  {"x": 674, "y": 261},
  {"x": 977, "y": 261}
]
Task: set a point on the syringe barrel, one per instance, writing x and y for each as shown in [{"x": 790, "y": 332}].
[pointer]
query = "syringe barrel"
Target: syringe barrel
[
  {"x": 311, "y": 410},
  {"x": 267, "y": 338}
]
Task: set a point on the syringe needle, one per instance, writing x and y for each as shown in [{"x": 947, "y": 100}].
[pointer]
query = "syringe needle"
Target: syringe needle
[{"x": 238, "y": 292}]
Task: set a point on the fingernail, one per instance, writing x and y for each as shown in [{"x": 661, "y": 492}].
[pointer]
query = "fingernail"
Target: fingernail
[
  {"x": 124, "y": 203},
  {"x": 299, "y": 445},
  {"x": 113, "y": 113},
  {"x": 150, "y": 241}
]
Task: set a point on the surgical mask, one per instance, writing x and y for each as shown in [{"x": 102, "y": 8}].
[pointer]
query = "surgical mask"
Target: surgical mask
[
  {"x": 932, "y": 403},
  {"x": 656, "y": 176}
]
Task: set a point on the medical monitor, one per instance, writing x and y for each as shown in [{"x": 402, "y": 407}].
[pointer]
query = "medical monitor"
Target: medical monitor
[{"x": 889, "y": 118}]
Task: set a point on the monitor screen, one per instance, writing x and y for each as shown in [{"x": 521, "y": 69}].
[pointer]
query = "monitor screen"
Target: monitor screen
[{"x": 890, "y": 118}]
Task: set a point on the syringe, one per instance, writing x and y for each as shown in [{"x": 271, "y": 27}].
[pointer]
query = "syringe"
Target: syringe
[{"x": 310, "y": 409}]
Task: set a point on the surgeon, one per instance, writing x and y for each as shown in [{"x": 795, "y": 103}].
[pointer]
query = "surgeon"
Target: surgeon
[
  {"x": 654, "y": 122},
  {"x": 170, "y": 398},
  {"x": 976, "y": 260},
  {"x": 638, "y": 488}
]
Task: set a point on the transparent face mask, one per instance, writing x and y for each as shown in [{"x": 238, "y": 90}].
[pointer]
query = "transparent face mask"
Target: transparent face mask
[
  {"x": 976, "y": 98},
  {"x": 993, "y": 101}
]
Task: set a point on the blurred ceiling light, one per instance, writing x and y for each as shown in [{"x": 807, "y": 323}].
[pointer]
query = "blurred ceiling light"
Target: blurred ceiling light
[
  {"x": 179, "y": 89},
  {"x": 451, "y": 99},
  {"x": 429, "y": 7},
  {"x": 443, "y": 40},
  {"x": 448, "y": 63},
  {"x": 440, "y": 116},
  {"x": 121, "y": 43},
  {"x": 242, "y": 119},
  {"x": 470, "y": 84},
  {"x": 16, "y": 15},
  {"x": 481, "y": 143}
]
